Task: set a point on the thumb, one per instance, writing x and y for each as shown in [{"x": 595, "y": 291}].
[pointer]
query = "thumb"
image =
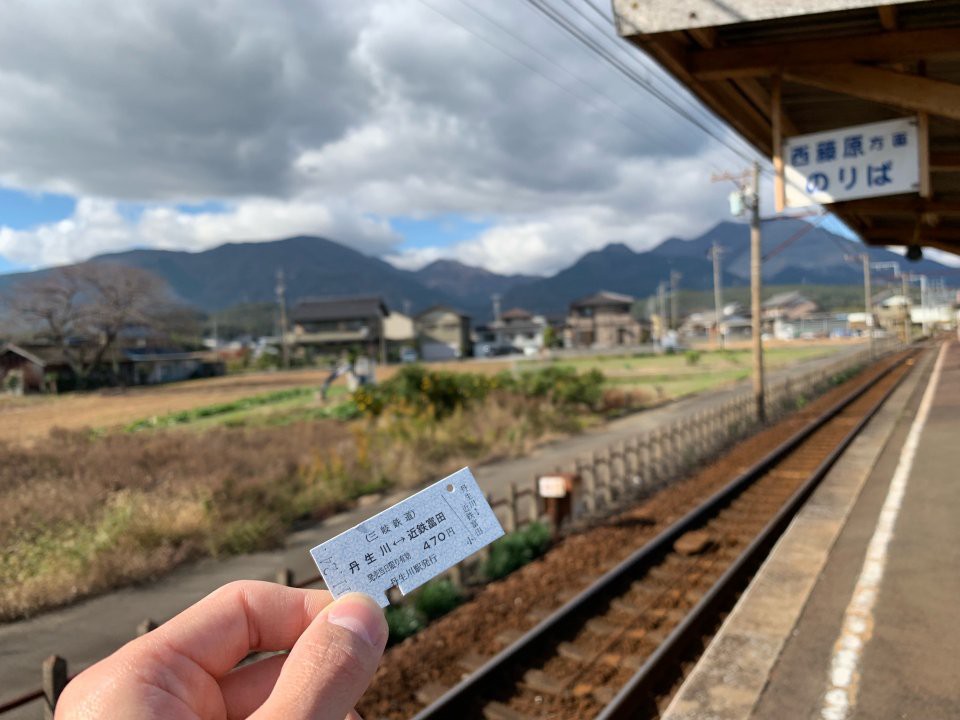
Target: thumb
[{"x": 331, "y": 664}]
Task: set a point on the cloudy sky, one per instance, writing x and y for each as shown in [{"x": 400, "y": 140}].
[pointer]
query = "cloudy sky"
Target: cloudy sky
[{"x": 409, "y": 129}]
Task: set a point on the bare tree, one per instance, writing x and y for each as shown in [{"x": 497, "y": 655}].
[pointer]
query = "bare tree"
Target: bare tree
[{"x": 83, "y": 309}]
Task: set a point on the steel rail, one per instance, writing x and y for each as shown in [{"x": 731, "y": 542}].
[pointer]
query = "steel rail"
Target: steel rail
[
  {"x": 640, "y": 691},
  {"x": 465, "y": 695}
]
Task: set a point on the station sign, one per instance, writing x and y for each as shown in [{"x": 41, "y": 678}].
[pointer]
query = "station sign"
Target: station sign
[
  {"x": 552, "y": 486},
  {"x": 853, "y": 162}
]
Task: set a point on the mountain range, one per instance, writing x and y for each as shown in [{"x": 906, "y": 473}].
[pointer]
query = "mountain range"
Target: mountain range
[{"x": 795, "y": 253}]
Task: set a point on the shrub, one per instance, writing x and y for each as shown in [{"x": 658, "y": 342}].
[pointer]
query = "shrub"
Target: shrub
[
  {"x": 516, "y": 550},
  {"x": 437, "y": 598},
  {"x": 403, "y": 622},
  {"x": 692, "y": 357},
  {"x": 416, "y": 390}
]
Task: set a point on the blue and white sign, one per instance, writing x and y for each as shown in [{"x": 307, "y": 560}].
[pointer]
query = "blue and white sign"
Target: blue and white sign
[{"x": 853, "y": 162}]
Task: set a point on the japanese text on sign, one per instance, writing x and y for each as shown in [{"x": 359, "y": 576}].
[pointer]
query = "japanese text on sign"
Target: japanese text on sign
[{"x": 853, "y": 162}]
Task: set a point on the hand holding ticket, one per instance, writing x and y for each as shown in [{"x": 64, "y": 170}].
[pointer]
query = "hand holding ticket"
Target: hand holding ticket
[{"x": 411, "y": 542}]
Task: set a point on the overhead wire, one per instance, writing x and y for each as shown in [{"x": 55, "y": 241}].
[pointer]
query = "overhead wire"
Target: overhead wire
[
  {"x": 639, "y": 59},
  {"x": 585, "y": 39},
  {"x": 642, "y": 128}
]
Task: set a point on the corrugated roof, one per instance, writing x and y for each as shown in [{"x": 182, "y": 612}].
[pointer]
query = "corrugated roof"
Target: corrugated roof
[
  {"x": 338, "y": 308},
  {"x": 604, "y": 297},
  {"x": 516, "y": 314}
]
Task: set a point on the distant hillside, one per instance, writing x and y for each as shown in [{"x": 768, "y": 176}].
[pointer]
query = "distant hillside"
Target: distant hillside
[
  {"x": 817, "y": 257},
  {"x": 244, "y": 274},
  {"x": 617, "y": 268},
  {"x": 814, "y": 257},
  {"x": 470, "y": 286}
]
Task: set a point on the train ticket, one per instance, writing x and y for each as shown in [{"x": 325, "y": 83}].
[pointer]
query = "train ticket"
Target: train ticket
[{"x": 411, "y": 542}]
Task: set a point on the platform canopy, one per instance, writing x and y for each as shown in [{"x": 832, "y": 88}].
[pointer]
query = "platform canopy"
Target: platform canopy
[{"x": 776, "y": 69}]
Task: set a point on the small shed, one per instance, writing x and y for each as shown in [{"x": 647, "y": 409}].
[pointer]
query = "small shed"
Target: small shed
[{"x": 26, "y": 370}]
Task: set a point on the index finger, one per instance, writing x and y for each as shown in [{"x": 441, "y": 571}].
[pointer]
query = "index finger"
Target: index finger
[{"x": 240, "y": 618}]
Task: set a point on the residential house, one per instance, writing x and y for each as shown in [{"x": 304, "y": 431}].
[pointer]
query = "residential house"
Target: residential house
[
  {"x": 516, "y": 328},
  {"x": 328, "y": 326},
  {"x": 703, "y": 325},
  {"x": 443, "y": 333},
  {"x": 39, "y": 367},
  {"x": 27, "y": 370},
  {"x": 603, "y": 320},
  {"x": 400, "y": 333},
  {"x": 787, "y": 306}
]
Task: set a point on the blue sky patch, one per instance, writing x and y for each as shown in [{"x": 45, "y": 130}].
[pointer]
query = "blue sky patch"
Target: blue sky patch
[
  {"x": 8, "y": 267},
  {"x": 22, "y": 210},
  {"x": 206, "y": 207},
  {"x": 439, "y": 230}
]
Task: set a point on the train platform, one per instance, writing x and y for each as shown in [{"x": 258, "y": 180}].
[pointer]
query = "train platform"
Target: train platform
[{"x": 854, "y": 613}]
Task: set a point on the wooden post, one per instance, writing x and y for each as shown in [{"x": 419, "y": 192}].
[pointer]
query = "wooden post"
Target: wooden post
[
  {"x": 456, "y": 576},
  {"x": 756, "y": 307},
  {"x": 285, "y": 577},
  {"x": 485, "y": 552},
  {"x": 776, "y": 126},
  {"x": 145, "y": 626},
  {"x": 605, "y": 489},
  {"x": 660, "y": 469},
  {"x": 54, "y": 681},
  {"x": 923, "y": 143},
  {"x": 511, "y": 524},
  {"x": 535, "y": 500},
  {"x": 589, "y": 479}
]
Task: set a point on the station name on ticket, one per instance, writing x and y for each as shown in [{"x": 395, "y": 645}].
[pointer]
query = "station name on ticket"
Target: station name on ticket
[{"x": 411, "y": 542}]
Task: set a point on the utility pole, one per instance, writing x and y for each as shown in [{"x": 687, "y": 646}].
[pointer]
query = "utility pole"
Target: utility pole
[
  {"x": 747, "y": 197},
  {"x": 756, "y": 260},
  {"x": 674, "y": 287},
  {"x": 715, "y": 251},
  {"x": 496, "y": 306},
  {"x": 282, "y": 306},
  {"x": 868, "y": 301},
  {"x": 905, "y": 308},
  {"x": 923, "y": 305},
  {"x": 662, "y": 310}
]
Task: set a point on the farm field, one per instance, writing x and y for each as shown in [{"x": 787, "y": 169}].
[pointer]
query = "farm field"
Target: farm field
[
  {"x": 238, "y": 461},
  {"x": 26, "y": 420},
  {"x": 667, "y": 377}
]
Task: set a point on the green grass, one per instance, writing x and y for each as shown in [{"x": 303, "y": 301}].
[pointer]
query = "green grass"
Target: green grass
[
  {"x": 672, "y": 376},
  {"x": 280, "y": 407}
]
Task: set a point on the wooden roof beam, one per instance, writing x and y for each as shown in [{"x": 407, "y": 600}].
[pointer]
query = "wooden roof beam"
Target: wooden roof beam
[
  {"x": 911, "y": 92},
  {"x": 670, "y": 50},
  {"x": 759, "y": 60},
  {"x": 944, "y": 162},
  {"x": 888, "y": 16},
  {"x": 893, "y": 206}
]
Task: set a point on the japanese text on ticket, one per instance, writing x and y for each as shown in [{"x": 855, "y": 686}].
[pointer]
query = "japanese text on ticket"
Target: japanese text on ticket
[{"x": 411, "y": 542}]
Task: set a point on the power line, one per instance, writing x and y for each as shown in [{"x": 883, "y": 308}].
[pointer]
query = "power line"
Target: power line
[
  {"x": 564, "y": 23},
  {"x": 633, "y": 128},
  {"x": 503, "y": 28},
  {"x": 622, "y": 47}
]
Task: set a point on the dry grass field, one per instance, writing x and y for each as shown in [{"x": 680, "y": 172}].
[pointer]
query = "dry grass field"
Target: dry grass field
[{"x": 24, "y": 420}]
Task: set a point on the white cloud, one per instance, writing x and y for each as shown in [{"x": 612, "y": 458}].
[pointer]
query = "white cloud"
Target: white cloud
[
  {"x": 325, "y": 118},
  {"x": 97, "y": 226}
]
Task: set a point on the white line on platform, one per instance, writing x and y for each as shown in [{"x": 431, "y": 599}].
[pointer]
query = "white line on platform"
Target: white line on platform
[{"x": 842, "y": 684}]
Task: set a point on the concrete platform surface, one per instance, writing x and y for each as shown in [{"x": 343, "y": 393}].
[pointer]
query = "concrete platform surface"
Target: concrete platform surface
[{"x": 854, "y": 614}]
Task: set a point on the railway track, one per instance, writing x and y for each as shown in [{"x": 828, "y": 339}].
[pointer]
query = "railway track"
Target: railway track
[{"x": 616, "y": 649}]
